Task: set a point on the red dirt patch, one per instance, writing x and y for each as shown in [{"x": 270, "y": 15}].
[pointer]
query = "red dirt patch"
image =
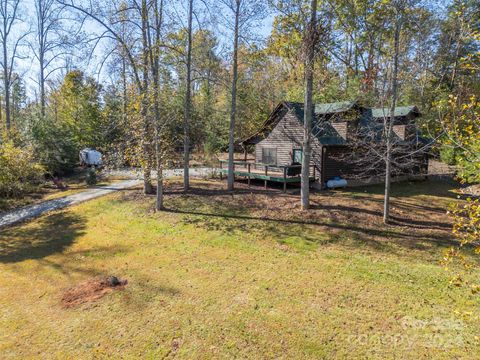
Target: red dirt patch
[{"x": 91, "y": 290}]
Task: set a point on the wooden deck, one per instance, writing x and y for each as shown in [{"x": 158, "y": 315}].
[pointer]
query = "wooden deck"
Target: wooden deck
[{"x": 265, "y": 172}]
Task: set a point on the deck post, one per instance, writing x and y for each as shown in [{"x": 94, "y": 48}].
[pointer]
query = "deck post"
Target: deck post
[
  {"x": 284, "y": 179},
  {"x": 248, "y": 166},
  {"x": 313, "y": 172},
  {"x": 266, "y": 173},
  {"x": 221, "y": 173}
]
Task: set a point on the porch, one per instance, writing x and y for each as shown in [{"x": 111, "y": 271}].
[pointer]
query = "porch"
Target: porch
[{"x": 284, "y": 174}]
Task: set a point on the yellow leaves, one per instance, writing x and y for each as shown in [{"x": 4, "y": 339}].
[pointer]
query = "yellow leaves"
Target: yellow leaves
[
  {"x": 19, "y": 171},
  {"x": 466, "y": 229}
]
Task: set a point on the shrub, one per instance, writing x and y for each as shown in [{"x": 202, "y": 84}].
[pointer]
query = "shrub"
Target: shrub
[
  {"x": 54, "y": 146},
  {"x": 19, "y": 172},
  {"x": 91, "y": 178},
  {"x": 448, "y": 155}
]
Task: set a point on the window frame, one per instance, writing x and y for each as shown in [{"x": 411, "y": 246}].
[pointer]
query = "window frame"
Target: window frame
[{"x": 293, "y": 154}]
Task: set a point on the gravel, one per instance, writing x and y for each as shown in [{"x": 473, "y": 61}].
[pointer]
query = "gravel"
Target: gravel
[{"x": 33, "y": 211}]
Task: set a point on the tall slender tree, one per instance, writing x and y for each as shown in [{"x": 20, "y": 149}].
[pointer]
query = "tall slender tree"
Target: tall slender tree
[
  {"x": 389, "y": 124},
  {"x": 245, "y": 13},
  {"x": 233, "y": 109},
  {"x": 11, "y": 40},
  {"x": 154, "y": 37},
  {"x": 310, "y": 42},
  {"x": 188, "y": 102},
  {"x": 51, "y": 43}
]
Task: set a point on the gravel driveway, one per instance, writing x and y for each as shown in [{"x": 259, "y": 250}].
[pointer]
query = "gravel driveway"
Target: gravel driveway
[{"x": 33, "y": 211}]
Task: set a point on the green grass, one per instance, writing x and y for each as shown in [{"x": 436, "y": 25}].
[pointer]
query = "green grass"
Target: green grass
[{"x": 248, "y": 276}]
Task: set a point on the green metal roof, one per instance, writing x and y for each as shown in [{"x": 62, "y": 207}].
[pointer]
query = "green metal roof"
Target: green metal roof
[
  {"x": 322, "y": 109},
  {"x": 325, "y": 132},
  {"x": 399, "y": 111},
  {"x": 336, "y": 107}
]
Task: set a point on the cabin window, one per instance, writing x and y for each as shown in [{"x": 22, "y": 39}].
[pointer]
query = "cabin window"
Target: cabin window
[
  {"x": 269, "y": 156},
  {"x": 297, "y": 156}
]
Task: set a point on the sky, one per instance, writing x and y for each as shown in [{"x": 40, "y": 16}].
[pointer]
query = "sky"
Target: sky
[{"x": 28, "y": 65}]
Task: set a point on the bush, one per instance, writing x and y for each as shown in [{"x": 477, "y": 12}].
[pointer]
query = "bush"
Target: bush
[
  {"x": 54, "y": 146},
  {"x": 19, "y": 172},
  {"x": 448, "y": 155},
  {"x": 91, "y": 178}
]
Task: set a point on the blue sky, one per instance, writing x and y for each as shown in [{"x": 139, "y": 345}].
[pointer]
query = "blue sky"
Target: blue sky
[{"x": 28, "y": 66}]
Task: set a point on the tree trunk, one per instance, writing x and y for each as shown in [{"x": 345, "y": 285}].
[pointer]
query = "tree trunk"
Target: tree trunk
[
  {"x": 308, "y": 106},
  {"x": 188, "y": 104},
  {"x": 158, "y": 150},
  {"x": 388, "y": 182},
  {"x": 41, "y": 56},
  {"x": 6, "y": 83},
  {"x": 391, "y": 122},
  {"x": 233, "y": 111},
  {"x": 155, "y": 66},
  {"x": 159, "y": 201},
  {"x": 147, "y": 166},
  {"x": 42, "y": 86}
]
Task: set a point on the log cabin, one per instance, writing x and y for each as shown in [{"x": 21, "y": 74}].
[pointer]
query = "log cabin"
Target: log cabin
[{"x": 336, "y": 129}]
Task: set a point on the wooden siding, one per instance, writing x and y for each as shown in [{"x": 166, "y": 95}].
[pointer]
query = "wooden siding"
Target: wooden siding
[
  {"x": 286, "y": 136},
  {"x": 337, "y": 162},
  {"x": 399, "y": 130},
  {"x": 341, "y": 128}
]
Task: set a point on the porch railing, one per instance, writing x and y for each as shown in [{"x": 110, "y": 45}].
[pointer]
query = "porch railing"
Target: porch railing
[{"x": 249, "y": 165}]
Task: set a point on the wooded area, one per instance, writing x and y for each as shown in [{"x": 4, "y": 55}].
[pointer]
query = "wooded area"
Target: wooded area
[
  {"x": 148, "y": 82},
  {"x": 141, "y": 259}
]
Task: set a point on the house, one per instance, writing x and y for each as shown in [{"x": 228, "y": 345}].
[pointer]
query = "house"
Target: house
[{"x": 335, "y": 132}]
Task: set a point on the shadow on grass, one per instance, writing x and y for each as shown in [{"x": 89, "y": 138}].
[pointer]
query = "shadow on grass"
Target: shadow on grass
[
  {"x": 394, "y": 220},
  {"x": 374, "y": 237},
  {"x": 178, "y": 190},
  {"x": 409, "y": 188},
  {"x": 51, "y": 234}
]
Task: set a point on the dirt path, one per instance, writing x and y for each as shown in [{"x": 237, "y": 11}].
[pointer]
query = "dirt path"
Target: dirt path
[{"x": 33, "y": 211}]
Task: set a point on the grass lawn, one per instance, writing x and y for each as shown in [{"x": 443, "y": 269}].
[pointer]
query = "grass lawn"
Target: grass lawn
[{"x": 242, "y": 276}]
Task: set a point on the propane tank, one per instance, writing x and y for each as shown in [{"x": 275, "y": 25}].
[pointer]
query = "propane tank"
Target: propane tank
[{"x": 336, "y": 182}]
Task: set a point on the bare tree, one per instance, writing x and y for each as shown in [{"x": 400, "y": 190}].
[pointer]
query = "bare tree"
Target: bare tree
[
  {"x": 51, "y": 43},
  {"x": 233, "y": 109},
  {"x": 154, "y": 28},
  {"x": 391, "y": 121},
  {"x": 188, "y": 101},
  {"x": 245, "y": 14},
  {"x": 310, "y": 41},
  {"x": 11, "y": 40}
]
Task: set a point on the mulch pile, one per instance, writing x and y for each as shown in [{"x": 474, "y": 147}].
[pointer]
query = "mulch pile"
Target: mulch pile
[{"x": 91, "y": 290}]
